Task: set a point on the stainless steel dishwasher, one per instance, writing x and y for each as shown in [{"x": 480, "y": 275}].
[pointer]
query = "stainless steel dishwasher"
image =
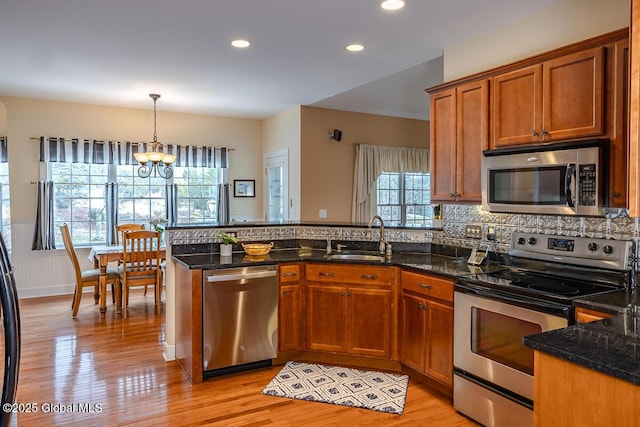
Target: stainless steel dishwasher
[{"x": 240, "y": 315}]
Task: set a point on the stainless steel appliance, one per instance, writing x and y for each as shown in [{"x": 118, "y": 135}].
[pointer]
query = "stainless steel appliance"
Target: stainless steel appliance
[
  {"x": 240, "y": 315},
  {"x": 562, "y": 178},
  {"x": 493, "y": 370}
]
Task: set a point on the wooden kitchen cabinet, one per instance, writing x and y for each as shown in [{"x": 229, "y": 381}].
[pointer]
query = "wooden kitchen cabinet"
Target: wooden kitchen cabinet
[
  {"x": 459, "y": 134},
  {"x": 559, "y": 99},
  {"x": 617, "y": 102},
  {"x": 567, "y": 394},
  {"x": 349, "y": 309},
  {"x": 426, "y": 325},
  {"x": 289, "y": 305},
  {"x": 585, "y": 315}
]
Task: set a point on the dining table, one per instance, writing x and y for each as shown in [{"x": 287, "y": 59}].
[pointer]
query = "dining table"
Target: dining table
[{"x": 101, "y": 256}]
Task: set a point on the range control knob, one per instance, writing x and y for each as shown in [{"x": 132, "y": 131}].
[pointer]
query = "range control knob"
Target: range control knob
[
  {"x": 608, "y": 249},
  {"x": 593, "y": 246},
  {"x": 532, "y": 240},
  {"x": 521, "y": 240}
]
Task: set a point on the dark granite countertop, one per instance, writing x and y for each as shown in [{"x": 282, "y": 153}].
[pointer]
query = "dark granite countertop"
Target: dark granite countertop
[
  {"x": 610, "y": 346},
  {"x": 422, "y": 262}
]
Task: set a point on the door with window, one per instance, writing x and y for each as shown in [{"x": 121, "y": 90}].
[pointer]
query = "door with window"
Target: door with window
[{"x": 276, "y": 192}]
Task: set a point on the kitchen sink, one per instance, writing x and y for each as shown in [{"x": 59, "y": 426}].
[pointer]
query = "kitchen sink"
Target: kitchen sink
[{"x": 356, "y": 257}]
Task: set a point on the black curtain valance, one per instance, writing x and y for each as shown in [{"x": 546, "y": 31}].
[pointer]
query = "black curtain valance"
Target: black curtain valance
[{"x": 78, "y": 150}]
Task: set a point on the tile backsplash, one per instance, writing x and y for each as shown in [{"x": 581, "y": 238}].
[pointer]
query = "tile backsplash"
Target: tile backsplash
[{"x": 617, "y": 225}]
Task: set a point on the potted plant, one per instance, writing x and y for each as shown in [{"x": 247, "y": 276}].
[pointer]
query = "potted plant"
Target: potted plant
[{"x": 227, "y": 240}]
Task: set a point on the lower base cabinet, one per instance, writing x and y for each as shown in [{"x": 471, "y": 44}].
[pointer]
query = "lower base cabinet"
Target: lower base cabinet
[
  {"x": 426, "y": 326},
  {"x": 349, "y": 309},
  {"x": 348, "y": 319}
]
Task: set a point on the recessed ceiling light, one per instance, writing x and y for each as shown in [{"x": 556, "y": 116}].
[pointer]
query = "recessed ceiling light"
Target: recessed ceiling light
[
  {"x": 355, "y": 48},
  {"x": 240, "y": 43},
  {"x": 392, "y": 4}
]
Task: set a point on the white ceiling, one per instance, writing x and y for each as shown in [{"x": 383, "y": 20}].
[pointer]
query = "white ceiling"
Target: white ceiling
[{"x": 116, "y": 52}]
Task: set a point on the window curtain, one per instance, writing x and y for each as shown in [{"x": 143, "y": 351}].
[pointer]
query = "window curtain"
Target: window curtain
[
  {"x": 111, "y": 193},
  {"x": 44, "y": 234},
  {"x": 223, "y": 204},
  {"x": 171, "y": 203},
  {"x": 78, "y": 150},
  {"x": 371, "y": 161},
  {"x": 4, "y": 154}
]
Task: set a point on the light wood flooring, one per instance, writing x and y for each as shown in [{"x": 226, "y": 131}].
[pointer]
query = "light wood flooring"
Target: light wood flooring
[{"x": 115, "y": 367}]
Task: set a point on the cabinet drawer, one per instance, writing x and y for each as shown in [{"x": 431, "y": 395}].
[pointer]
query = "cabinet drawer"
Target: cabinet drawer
[
  {"x": 289, "y": 273},
  {"x": 360, "y": 274},
  {"x": 432, "y": 286}
]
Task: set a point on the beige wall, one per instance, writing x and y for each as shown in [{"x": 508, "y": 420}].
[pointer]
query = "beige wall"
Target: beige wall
[
  {"x": 562, "y": 24},
  {"x": 327, "y": 165},
  {"x": 32, "y": 118},
  {"x": 282, "y": 132}
]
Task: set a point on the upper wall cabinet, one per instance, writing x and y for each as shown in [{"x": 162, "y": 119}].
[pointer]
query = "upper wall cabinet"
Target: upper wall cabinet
[
  {"x": 559, "y": 99},
  {"x": 459, "y": 133}
]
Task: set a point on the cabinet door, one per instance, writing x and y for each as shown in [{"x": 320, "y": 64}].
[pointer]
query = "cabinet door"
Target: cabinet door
[
  {"x": 412, "y": 330},
  {"x": 573, "y": 95},
  {"x": 289, "y": 318},
  {"x": 517, "y": 107},
  {"x": 618, "y": 117},
  {"x": 472, "y": 138},
  {"x": 369, "y": 322},
  {"x": 439, "y": 338},
  {"x": 443, "y": 146},
  {"x": 326, "y": 316}
]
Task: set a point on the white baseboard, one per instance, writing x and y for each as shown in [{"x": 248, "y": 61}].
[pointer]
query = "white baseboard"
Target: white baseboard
[
  {"x": 47, "y": 291},
  {"x": 169, "y": 352}
]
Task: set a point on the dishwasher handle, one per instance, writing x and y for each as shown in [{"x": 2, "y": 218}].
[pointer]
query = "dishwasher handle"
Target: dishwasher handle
[{"x": 240, "y": 274}]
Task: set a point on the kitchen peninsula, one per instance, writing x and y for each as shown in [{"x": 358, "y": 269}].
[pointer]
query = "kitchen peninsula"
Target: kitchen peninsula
[
  {"x": 300, "y": 250},
  {"x": 592, "y": 369}
]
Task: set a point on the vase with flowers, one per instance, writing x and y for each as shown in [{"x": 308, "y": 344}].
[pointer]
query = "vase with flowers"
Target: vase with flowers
[{"x": 226, "y": 243}]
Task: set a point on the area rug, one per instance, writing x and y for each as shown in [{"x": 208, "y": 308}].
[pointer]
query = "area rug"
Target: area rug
[{"x": 373, "y": 390}]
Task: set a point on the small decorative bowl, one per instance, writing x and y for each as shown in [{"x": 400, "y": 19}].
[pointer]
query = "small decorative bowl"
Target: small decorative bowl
[{"x": 257, "y": 249}]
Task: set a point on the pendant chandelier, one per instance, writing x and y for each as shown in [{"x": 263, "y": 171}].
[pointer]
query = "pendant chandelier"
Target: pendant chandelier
[{"x": 154, "y": 160}]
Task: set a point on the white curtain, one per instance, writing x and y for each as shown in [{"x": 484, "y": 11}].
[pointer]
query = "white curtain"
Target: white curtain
[{"x": 371, "y": 161}]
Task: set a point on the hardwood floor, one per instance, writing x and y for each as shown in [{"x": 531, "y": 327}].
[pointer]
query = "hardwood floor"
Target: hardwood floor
[{"x": 109, "y": 371}]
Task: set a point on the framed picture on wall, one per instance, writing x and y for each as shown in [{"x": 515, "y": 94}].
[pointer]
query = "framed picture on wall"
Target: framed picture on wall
[{"x": 244, "y": 188}]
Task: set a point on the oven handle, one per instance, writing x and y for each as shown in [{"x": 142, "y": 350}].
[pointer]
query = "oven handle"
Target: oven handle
[{"x": 549, "y": 307}]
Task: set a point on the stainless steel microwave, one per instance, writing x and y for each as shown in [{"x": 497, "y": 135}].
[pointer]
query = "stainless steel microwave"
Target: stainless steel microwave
[{"x": 568, "y": 178}]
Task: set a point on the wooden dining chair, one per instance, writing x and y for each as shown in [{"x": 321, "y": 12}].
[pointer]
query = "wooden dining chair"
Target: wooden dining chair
[
  {"x": 141, "y": 264},
  {"x": 123, "y": 228},
  {"x": 91, "y": 277}
]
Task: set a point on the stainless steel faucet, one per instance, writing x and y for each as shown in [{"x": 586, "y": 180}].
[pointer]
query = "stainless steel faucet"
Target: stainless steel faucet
[{"x": 384, "y": 246}]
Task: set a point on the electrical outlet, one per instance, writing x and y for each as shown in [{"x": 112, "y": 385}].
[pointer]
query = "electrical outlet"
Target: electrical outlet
[
  {"x": 473, "y": 231},
  {"x": 491, "y": 232}
]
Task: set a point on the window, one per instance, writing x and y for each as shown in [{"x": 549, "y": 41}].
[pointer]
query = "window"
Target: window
[
  {"x": 5, "y": 216},
  {"x": 404, "y": 198},
  {"x": 139, "y": 199},
  {"x": 197, "y": 194},
  {"x": 79, "y": 198}
]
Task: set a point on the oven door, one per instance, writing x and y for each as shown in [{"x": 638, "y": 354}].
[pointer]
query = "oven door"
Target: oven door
[{"x": 488, "y": 338}]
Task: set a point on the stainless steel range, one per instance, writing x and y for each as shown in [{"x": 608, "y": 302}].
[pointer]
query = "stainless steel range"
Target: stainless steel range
[{"x": 493, "y": 375}]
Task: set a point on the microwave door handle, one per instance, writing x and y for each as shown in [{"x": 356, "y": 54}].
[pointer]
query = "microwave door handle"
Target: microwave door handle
[{"x": 568, "y": 187}]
